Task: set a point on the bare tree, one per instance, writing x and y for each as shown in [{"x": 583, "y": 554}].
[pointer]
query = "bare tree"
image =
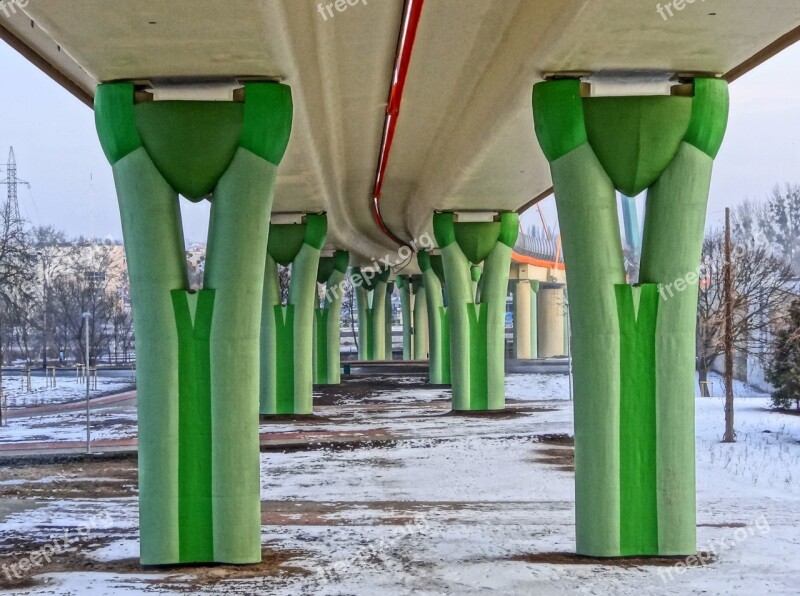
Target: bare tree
[
  {"x": 89, "y": 285},
  {"x": 776, "y": 222},
  {"x": 16, "y": 268},
  {"x": 760, "y": 282}
]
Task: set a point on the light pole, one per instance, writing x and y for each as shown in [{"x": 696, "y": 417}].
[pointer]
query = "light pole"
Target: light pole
[
  {"x": 86, "y": 317},
  {"x": 44, "y": 310}
]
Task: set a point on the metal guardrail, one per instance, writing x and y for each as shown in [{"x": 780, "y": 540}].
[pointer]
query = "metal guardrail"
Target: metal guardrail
[{"x": 537, "y": 248}]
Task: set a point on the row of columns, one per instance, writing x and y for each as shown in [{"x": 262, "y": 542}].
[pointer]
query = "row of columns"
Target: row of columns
[
  {"x": 540, "y": 312},
  {"x": 210, "y": 361}
]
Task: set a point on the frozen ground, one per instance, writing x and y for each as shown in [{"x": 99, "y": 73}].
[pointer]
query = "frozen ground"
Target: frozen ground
[
  {"x": 438, "y": 504},
  {"x": 56, "y": 413},
  {"x": 68, "y": 389}
]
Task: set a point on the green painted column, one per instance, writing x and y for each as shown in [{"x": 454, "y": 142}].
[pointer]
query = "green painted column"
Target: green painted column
[
  {"x": 388, "y": 334},
  {"x": 477, "y": 273},
  {"x": 370, "y": 288},
  {"x": 438, "y": 320},
  {"x": 287, "y": 330},
  {"x": 633, "y": 347},
  {"x": 477, "y": 323},
  {"x": 404, "y": 287},
  {"x": 197, "y": 353},
  {"x": 420, "y": 346},
  {"x": 328, "y": 319}
]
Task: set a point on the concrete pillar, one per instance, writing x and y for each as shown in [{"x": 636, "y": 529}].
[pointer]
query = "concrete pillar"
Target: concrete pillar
[
  {"x": 197, "y": 353},
  {"x": 287, "y": 330},
  {"x": 328, "y": 319},
  {"x": 633, "y": 349},
  {"x": 551, "y": 310},
  {"x": 371, "y": 288},
  {"x": 477, "y": 324},
  {"x": 526, "y": 343},
  {"x": 389, "y": 333},
  {"x": 438, "y": 319},
  {"x": 420, "y": 320},
  {"x": 403, "y": 283}
]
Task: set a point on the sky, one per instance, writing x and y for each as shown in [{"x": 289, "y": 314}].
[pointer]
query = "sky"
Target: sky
[{"x": 72, "y": 188}]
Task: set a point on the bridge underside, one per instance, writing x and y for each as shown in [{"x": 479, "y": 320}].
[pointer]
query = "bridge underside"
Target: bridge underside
[
  {"x": 411, "y": 130},
  {"x": 464, "y": 140}
]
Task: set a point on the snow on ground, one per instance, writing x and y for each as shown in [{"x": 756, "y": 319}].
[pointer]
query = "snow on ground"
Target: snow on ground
[
  {"x": 68, "y": 389},
  {"x": 106, "y": 423},
  {"x": 452, "y": 503}
]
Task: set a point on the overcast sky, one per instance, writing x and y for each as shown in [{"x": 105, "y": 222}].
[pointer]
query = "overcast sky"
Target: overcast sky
[{"x": 72, "y": 188}]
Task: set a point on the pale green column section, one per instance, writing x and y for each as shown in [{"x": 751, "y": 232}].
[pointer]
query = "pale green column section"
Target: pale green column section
[
  {"x": 371, "y": 316},
  {"x": 388, "y": 331},
  {"x": 406, "y": 299},
  {"x": 333, "y": 331},
  {"x": 379, "y": 320},
  {"x": 587, "y": 209},
  {"x": 534, "y": 286},
  {"x": 302, "y": 293},
  {"x": 420, "y": 322},
  {"x": 438, "y": 368},
  {"x": 238, "y": 231},
  {"x": 363, "y": 307},
  {"x": 460, "y": 297},
  {"x": 154, "y": 247},
  {"x": 677, "y": 202},
  {"x": 268, "y": 385},
  {"x": 494, "y": 289}
]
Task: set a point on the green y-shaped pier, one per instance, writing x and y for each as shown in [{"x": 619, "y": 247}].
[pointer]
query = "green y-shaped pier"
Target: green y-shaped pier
[
  {"x": 438, "y": 321},
  {"x": 372, "y": 290},
  {"x": 327, "y": 319},
  {"x": 476, "y": 310},
  {"x": 633, "y": 346},
  {"x": 287, "y": 330},
  {"x": 197, "y": 353},
  {"x": 415, "y": 317}
]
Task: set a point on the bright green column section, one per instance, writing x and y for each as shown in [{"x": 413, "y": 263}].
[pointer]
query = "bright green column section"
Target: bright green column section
[
  {"x": 194, "y": 315},
  {"x": 637, "y": 309},
  {"x": 633, "y": 349},
  {"x": 328, "y": 317},
  {"x": 404, "y": 287},
  {"x": 197, "y": 355},
  {"x": 420, "y": 319},
  {"x": 287, "y": 330},
  {"x": 438, "y": 322},
  {"x": 477, "y": 323},
  {"x": 371, "y": 288}
]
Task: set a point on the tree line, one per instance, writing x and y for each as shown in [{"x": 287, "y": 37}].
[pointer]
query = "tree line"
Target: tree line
[
  {"x": 766, "y": 268},
  {"x": 49, "y": 281}
]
